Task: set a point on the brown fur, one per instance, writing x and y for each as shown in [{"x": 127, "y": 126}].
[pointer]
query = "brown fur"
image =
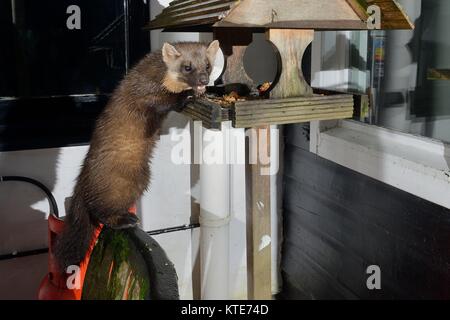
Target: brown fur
[
  {"x": 116, "y": 170},
  {"x": 172, "y": 83}
]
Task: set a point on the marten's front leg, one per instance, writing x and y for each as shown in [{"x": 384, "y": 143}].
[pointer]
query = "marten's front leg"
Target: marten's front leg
[
  {"x": 172, "y": 102},
  {"x": 183, "y": 99}
]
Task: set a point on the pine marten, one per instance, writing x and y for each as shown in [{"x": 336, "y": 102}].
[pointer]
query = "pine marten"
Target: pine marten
[{"x": 116, "y": 170}]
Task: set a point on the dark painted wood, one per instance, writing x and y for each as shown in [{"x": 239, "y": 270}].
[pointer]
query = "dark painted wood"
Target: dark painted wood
[{"x": 338, "y": 222}]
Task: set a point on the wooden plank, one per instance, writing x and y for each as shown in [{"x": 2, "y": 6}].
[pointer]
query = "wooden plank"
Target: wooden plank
[
  {"x": 294, "y": 110},
  {"x": 180, "y": 16},
  {"x": 301, "y": 24},
  {"x": 196, "y": 117},
  {"x": 258, "y": 219},
  {"x": 293, "y": 113},
  {"x": 191, "y": 13},
  {"x": 330, "y": 95},
  {"x": 263, "y": 13},
  {"x": 182, "y": 24},
  {"x": 291, "y": 120},
  {"x": 283, "y": 109},
  {"x": 392, "y": 14},
  {"x": 291, "y": 45},
  {"x": 212, "y": 115},
  {"x": 239, "y": 109},
  {"x": 193, "y": 5},
  {"x": 329, "y": 208}
]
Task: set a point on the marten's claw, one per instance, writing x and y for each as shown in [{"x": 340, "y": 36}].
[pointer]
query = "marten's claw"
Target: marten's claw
[{"x": 125, "y": 221}]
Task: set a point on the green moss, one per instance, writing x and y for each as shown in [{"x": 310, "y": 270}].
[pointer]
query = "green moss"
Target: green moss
[
  {"x": 120, "y": 245},
  {"x": 128, "y": 271}
]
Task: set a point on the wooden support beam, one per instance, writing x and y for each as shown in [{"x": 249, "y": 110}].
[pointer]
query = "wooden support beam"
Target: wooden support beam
[
  {"x": 291, "y": 45},
  {"x": 258, "y": 215}
]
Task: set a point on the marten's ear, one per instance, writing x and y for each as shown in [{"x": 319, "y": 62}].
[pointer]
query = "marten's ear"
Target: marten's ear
[
  {"x": 169, "y": 53},
  {"x": 212, "y": 50}
]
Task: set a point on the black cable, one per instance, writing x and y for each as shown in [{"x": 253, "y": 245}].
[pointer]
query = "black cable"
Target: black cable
[
  {"x": 45, "y": 250},
  {"x": 23, "y": 254},
  {"x": 174, "y": 229},
  {"x": 54, "y": 207},
  {"x": 51, "y": 198}
]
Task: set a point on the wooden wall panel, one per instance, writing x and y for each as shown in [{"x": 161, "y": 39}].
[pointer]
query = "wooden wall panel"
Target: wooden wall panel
[{"x": 338, "y": 222}]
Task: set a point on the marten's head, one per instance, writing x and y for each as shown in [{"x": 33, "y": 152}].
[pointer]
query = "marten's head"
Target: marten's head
[{"x": 189, "y": 65}]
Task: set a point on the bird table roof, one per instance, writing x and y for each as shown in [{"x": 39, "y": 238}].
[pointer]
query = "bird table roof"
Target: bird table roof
[{"x": 292, "y": 14}]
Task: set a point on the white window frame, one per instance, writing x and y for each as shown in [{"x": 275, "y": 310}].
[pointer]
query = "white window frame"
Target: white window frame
[{"x": 415, "y": 164}]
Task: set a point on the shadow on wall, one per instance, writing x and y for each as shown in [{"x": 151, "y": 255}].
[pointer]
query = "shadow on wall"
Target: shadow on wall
[{"x": 23, "y": 214}]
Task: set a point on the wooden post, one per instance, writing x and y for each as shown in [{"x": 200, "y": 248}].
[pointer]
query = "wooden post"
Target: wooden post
[
  {"x": 291, "y": 45},
  {"x": 234, "y": 42},
  {"x": 258, "y": 215}
]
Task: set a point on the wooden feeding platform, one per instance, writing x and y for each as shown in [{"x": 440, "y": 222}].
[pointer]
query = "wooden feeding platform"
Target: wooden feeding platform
[
  {"x": 257, "y": 112},
  {"x": 211, "y": 114},
  {"x": 289, "y": 25}
]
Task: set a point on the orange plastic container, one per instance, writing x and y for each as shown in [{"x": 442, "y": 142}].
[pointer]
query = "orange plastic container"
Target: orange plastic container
[{"x": 54, "y": 284}]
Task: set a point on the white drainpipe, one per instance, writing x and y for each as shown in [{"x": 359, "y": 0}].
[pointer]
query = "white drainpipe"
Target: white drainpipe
[
  {"x": 214, "y": 219},
  {"x": 215, "y": 208},
  {"x": 276, "y": 203}
]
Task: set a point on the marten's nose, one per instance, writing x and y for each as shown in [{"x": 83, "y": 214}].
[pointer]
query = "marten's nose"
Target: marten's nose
[{"x": 203, "y": 79}]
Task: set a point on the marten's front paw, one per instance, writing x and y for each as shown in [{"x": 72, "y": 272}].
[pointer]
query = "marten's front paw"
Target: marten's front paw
[
  {"x": 125, "y": 221},
  {"x": 183, "y": 103}
]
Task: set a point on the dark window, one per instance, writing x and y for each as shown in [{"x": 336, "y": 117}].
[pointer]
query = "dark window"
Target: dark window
[{"x": 54, "y": 81}]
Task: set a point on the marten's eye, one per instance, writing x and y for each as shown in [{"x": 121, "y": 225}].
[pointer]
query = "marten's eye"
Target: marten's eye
[
  {"x": 187, "y": 68},
  {"x": 208, "y": 66}
]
